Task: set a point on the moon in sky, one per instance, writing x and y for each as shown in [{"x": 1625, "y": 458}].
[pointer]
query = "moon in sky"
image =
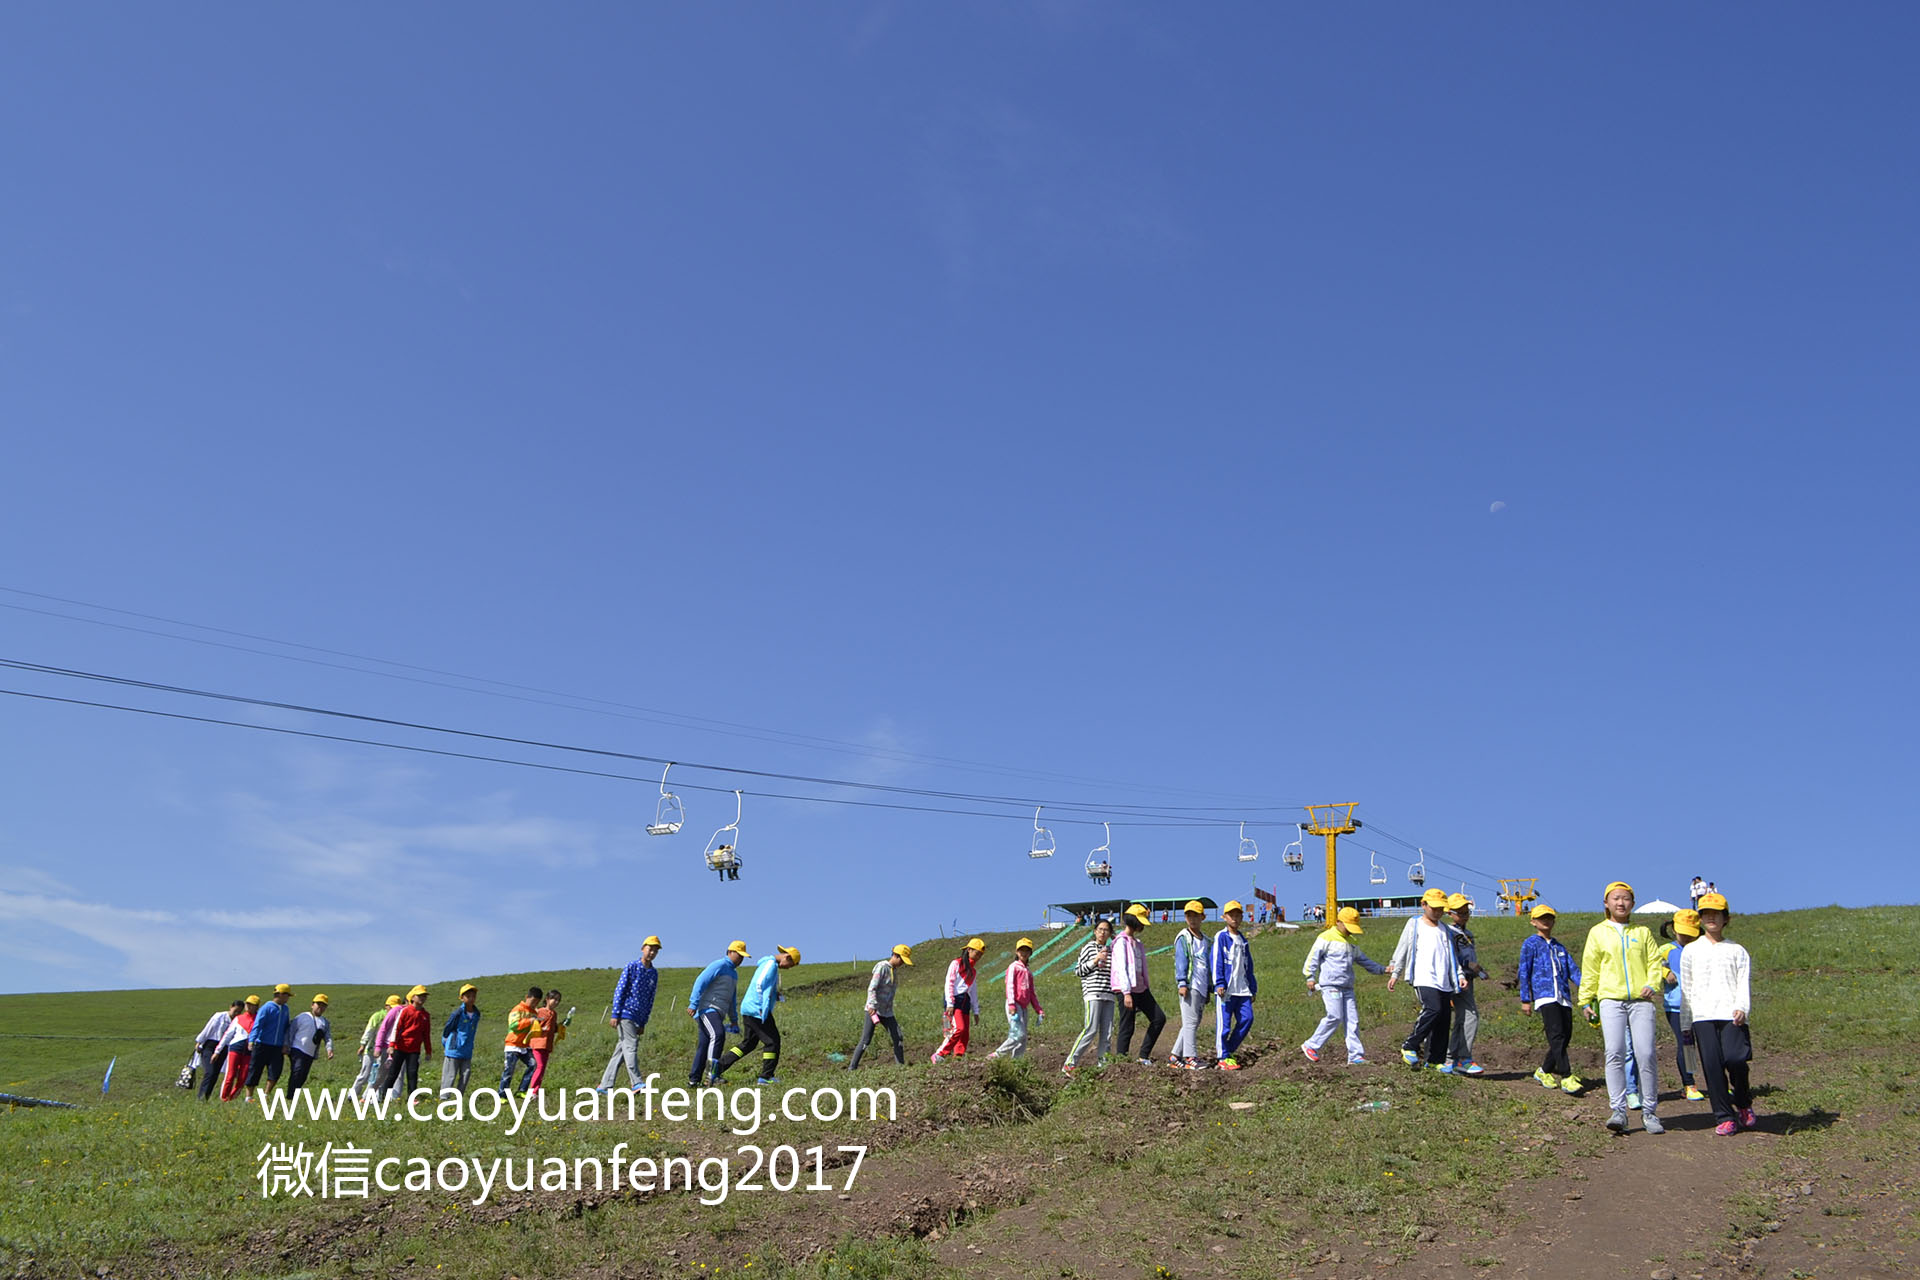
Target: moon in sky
[{"x": 1496, "y": 508}]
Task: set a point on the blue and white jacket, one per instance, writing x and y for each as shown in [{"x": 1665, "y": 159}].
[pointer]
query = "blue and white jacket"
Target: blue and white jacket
[
  {"x": 1331, "y": 961},
  {"x": 1232, "y": 964},
  {"x": 764, "y": 991},
  {"x": 1190, "y": 961},
  {"x": 1548, "y": 974},
  {"x": 717, "y": 987},
  {"x": 456, "y": 1037},
  {"x": 633, "y": 994}
]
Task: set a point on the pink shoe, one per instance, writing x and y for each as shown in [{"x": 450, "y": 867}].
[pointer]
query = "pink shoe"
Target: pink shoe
[
  {"x": 1726, "y": 1128},
  {"x": 1747, "y": 1119},
  {"x": 1313, "y": 1054}
]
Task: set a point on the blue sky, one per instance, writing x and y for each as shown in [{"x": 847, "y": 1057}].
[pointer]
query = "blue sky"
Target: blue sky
[{"x": 1112, "y": 397}]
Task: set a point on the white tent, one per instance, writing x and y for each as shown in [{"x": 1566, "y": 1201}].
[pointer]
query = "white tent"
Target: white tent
[{"x": 1658, "y": 907}]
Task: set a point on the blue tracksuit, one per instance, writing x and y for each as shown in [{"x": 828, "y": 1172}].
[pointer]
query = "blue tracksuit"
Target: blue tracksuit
[
  {"x": 456, "y": 1037},
  {"x": 1232, "y": 965}
]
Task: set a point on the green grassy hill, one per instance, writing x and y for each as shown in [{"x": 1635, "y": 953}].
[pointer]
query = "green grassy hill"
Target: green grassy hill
[{"x": 151, "y": 1181}]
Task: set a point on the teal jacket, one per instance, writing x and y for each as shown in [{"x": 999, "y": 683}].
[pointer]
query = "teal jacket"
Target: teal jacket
[{"x": 764, "y": 991}]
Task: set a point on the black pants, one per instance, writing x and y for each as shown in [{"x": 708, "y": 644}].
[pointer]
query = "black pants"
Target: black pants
[
  {"x": 216, "y": 1063},
  {"x": 399, "y": 1064},
  {"x": 267, "y": 1060},
  {"x": 1143, "y": 1002},
  {"x": 298, "y": 1064},
  {"x": 866, "y": 1038},
  {"x": 756, "y": 1033},
  {"x": 1557, "y": 1021},
  {"x": 1725, "y": 1049},
  {"x": 1434, "y": 1027}
]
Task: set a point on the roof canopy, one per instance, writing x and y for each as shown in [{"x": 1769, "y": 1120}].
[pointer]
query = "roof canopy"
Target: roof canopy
[{"x": 1101, "y": 906}]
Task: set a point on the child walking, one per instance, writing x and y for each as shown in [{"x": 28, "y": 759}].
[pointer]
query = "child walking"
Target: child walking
[
  {"x": 1715, "y": 999},
  {"x": 962, "y": 1002},
  {"x": 1548, "y": 979},
  {"x": 1679, "y": 931},
  {"x": 1193, "y": 979},
  {"x": 1095, "y": 967},
  {"x": 1622, "y": 970},
  {"x": 1330, "y": 965},
  {"x": 1020, "y": 998}
]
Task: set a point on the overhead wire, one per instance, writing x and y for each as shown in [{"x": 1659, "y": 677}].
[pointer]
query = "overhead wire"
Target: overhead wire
[{"x": 597, "y": 705}]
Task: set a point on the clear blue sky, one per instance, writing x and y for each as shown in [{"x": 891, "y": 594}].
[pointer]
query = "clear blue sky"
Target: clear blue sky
[{"x": 1114, "y": 396}]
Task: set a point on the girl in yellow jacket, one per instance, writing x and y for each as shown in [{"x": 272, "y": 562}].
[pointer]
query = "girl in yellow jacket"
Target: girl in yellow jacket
[{"x": 1621, "y": 977}]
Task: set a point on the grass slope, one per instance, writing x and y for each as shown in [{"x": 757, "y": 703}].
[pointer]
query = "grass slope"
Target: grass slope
[{"x": 150, "y": 1181}]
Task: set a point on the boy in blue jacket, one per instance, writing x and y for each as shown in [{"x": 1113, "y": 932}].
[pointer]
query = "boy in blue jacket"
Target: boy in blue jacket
[
  {"x": 1549, "y": 980},
  {"x": 756, "y": 1013},
  {"x": 715, "y": 1008},
  {"x": 456, "y": 1040},
  {"x": 1233, "y": 984}
]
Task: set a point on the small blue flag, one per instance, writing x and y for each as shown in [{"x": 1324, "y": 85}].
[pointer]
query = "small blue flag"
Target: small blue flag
[{"x": 108, "y": 1082}]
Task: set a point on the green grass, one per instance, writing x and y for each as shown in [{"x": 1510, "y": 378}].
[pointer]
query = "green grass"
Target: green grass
[{"x": 149, "y": 1178}]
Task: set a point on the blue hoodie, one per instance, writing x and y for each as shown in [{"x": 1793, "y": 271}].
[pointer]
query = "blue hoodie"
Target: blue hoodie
[
  {"x": 1547, "y": 969},
  {"x": 456, "y": 1038},
  {"x": 271, "y": 1026},
  {"x": 764, "y": 991},
  {"x": 717, "y": 987}
]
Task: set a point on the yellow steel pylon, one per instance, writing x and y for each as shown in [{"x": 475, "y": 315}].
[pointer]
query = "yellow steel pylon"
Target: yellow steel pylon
[{"x": 1332, "y": 821}]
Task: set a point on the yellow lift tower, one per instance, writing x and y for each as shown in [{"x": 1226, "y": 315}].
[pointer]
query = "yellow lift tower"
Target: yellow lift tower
[
  {"x": 1332, "y": 821},
  {"x": 1520, "y": 892}
]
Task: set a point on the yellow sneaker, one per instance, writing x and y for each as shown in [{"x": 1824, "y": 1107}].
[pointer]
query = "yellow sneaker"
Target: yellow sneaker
[
  {"x": 1694, "y": 1094},
  {"x": 1547, "y": 1079},
  {"x": 1571, "y": 1084}
]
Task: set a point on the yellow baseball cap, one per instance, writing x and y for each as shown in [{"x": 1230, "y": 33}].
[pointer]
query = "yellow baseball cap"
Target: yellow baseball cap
[
  {"x": 1137, "y": 909},
  {"x": 417, "y": 991},
  {"x": 1196, "y": 907},
  {"x": 1024, "y": 942},
  {"x": 790, "y": 951},
  {"x": 395, "y": 999},
  {"x": 1434, "y": 898},
  {"x": 1616, "y": 884},
  {"x": 736, "y": 947},
  {"x": 1455, "y": 901},
  {"x": 253, "y": 999},
  {"x": 977, "y": 944},
  {"x": 1350, "y": 917},
  {"x": 1542, "y": 910},
  {"x": 905, "y": 953},
  {"x": 652, "y": 940},
  {"x": 1712, "y": 902},
  {"x": 1687, "y": 922},
  {"x": 469, "y": 987},
  {"x": 320, "y": 997},
  {"x": 1233, "y": 904},
  {"x": 282, "y": 989}
]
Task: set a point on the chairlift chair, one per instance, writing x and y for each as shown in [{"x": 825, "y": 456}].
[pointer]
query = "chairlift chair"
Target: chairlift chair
[
  {"x": 671, "y": 813},
  {"x": 720, "y": 854},
  {"x": 1376, "y": 873},
  {"x": 1294, "y": 855},
  {"x": 1043, "y": 841},
  {"x": 1417, "y": 873},
  {"x": 1249, "y": 850},
  {"x": 1471, "y": 904},
  {"x": 1100, "y": 861}
]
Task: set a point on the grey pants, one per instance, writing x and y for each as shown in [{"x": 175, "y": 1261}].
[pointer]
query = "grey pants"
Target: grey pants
[
  {"x": 369, "y": 1072},
  {"x": 454, "y": 1074},
  {"x": 627, "y": 1051},
  {"x": 1342, "y": 1011},
  {"x": 1466, "y": 1025},
  {"x": 1193, "y": 1007},
  {"x": 1015, "y": 1045},
  {"x": 1619, "y": 1021},
  {"x": 1096, "y": 1035}
]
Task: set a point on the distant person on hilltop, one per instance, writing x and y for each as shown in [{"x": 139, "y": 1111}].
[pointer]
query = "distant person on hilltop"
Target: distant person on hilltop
[
  {"x": 1193, "y": 979},
  {"x": 1694, "y": 891},
  {"x": 879, "y": 1007}
]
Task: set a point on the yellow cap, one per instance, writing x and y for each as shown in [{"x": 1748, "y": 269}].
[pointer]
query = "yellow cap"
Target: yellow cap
[
  {"x": 1233, "y": 904},
  {"x": 1349, "y": 917},
  {"x": 469, "y": 987},
  {"x": 282, "y": 989},
  {"x": 1542, "y": 910},
  {"x": 1196, "y": 907},
  {"x": 1137, "y": 909},
  {"x": 652, "y": 940},
  {"x": 1024, "y": 942},
  {"x": 1434, "y": 898},
  {"x": 977, "y": 944},
  {"x": 253, "y": 999},
  {"x": 395, "y": 999},
  {"x": 320, "y": 997},
  {"x": 1616, "y": 884},
  {"x": 1712, "y": 902},
  {"x": 905, "y": 953},
  {"x": 1687, "y": 922},
  {"x": 417, "y": 991},
  {"x": 790, "y": 951},
  {"x": 736, "y": 947},
  {"x": 1455, "y": 901}
]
